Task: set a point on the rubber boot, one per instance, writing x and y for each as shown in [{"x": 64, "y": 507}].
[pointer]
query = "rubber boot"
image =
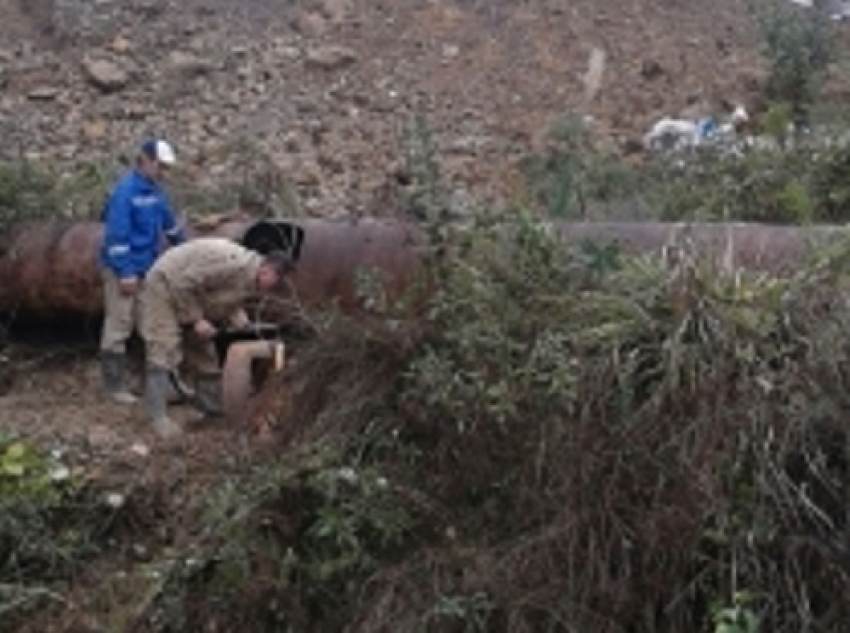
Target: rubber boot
[
  {"x": 179, "y": 392},
  {"x": 112, "y": 370},
  {"x": 156, "y": 392},
  {"x": 208, "y": 396}
]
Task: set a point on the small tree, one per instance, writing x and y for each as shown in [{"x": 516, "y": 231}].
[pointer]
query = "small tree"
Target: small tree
[{"x": 799, "y": 48}]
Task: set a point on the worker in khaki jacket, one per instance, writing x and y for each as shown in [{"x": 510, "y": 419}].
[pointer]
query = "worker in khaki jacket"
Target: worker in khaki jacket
[{"x": 190, "y": 291}]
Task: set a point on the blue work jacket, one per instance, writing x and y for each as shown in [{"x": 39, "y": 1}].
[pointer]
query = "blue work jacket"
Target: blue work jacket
[{"x": 137, "y": 216}]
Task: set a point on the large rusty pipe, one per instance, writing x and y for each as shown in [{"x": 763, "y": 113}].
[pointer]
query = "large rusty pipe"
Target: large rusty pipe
[
  {"x": 760, "y": 247},
  {"x": 49, "y": 269},
  {"x": 335, "y": 252}
]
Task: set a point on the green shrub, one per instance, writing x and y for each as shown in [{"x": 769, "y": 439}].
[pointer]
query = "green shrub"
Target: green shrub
[
  {"x": 427, "y": 197},
  {"x": 573, "y": 173},
  {"x": 789, "y": 183},
  {"x": 31, "y": 190},
  {"x": 797, "y": 185},
  {"x": 760, "y": 186},
  {"x": 798, "y": 48},
  {"x": 777, "y": 122},
  {"x": 624, "y": 439},
  {"x": 286, "y": 545},
  {"x": 52, "y": 523},
  {"x": 592, "y": 428},
  {"x": 34, "y": 488}
]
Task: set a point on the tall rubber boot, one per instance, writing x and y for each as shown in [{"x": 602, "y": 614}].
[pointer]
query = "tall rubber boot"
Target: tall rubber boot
[
  {"x": 156, "y": 392},
  {"x": 208, "y": 395},
  {"x": 179, "y": 392},
  {"x": 112, "y": 366}
]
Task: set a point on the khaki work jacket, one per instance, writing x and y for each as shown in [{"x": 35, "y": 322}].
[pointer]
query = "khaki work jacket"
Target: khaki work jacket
[{"x": 208, "y": 277}]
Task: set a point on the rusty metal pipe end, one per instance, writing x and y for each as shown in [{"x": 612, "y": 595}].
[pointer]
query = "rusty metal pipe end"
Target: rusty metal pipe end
[{"x": 236, "y": 385}]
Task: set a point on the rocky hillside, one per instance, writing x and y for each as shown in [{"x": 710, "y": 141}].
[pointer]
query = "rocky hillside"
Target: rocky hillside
[{"x": 327, "y": 88}]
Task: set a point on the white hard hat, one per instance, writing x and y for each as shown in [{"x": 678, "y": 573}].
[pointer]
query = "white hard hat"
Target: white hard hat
[
  {"x": 160, "y": 151},
  {"x": 165, "y": 153}
]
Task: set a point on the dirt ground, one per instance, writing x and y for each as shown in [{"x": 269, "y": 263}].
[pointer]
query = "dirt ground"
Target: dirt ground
[
  {"x": 328, "y": 87},
  {"x": 53, "y": 397}
]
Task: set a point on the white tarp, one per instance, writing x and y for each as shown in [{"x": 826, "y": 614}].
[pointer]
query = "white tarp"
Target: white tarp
[{"x": 835, "y": 9}]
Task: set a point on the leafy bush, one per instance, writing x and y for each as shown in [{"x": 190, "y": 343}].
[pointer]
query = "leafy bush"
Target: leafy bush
[
  {"x": 51, "y": 525},
  {"x": 798, "y": 185},
  {"x": 427, "y": 196},
  {"x": 286, "y": 545},
  {"x": 799, "y": 48},
  {"x": 593, "y": 433},
  {"x": 40, "y": 190},
  {"x": 24, "y": 192},
  {"x": 33, "y": 486},
  {"x": 607, "y": 442},
  {"x": 830, "y": 184},
  {"x": 572, "y": 173},
  {"x": 784, "y": 177},
  {"x": 760, "y": 186}
]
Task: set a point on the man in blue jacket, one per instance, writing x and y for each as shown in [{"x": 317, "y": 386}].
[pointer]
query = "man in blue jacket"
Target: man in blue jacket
[{"x": 137, "y": 216}]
